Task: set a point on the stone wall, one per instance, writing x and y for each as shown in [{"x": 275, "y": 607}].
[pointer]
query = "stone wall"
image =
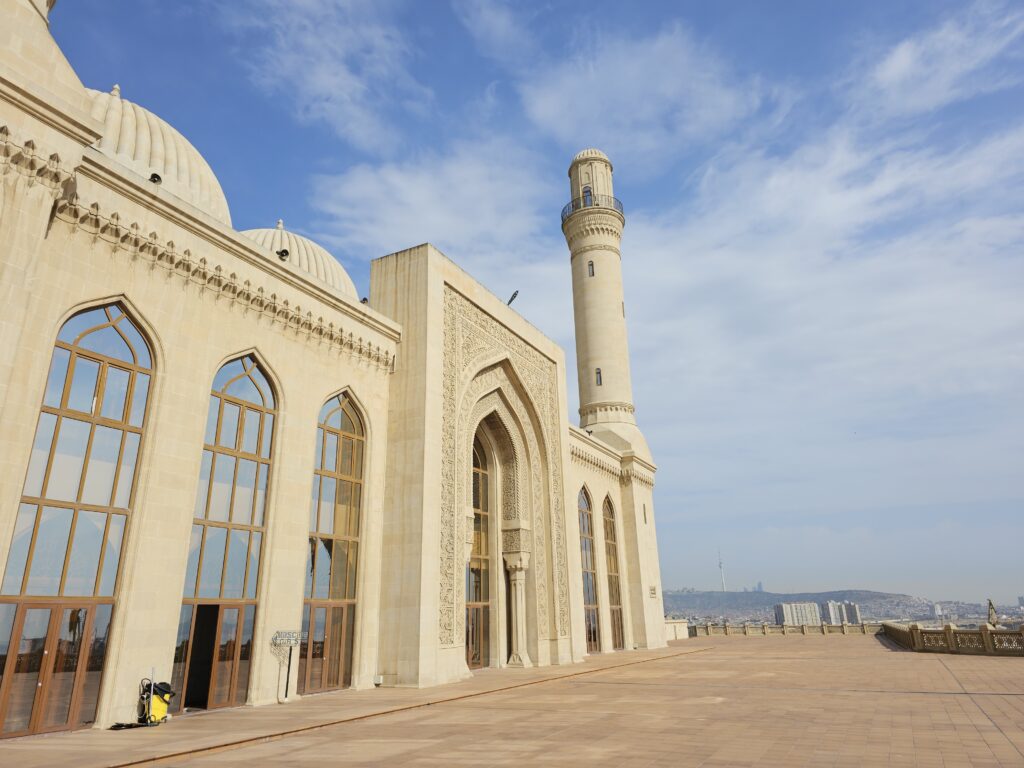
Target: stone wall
[{"x": 985, "y": 641}]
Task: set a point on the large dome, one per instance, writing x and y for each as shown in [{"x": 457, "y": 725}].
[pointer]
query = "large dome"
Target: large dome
[
  {"x": 142, "y": 141},
  {"x": 306, "y": 255}
]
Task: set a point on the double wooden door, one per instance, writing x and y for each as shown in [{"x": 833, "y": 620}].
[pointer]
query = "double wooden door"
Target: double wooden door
[
  {"x": 212, "y": 665},
  {"x": 477, "y": 636},
  {"x": 51, "y": 663}
]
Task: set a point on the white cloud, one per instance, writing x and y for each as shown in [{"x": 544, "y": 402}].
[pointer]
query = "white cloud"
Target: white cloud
[
  {"x": 498, "y": 31},
  {"x": 643, "y": 100},
  {"x": 339, "y": 61},
  {"x": 969, "y": 54}
]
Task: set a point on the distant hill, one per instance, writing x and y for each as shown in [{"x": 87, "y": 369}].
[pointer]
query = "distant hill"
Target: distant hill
[{"x": 760, "y": 605}]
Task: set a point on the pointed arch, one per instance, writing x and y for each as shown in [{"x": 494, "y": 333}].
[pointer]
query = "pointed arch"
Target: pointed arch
[
  {"x": 588, "y": 560},
  {"x": 77, "y": 500},
  {"x": 611, "y": 549}
]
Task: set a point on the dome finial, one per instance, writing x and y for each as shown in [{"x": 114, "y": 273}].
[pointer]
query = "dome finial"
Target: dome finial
[
  {"x": 280, "y": 223},
  {"x": 116, "y": 91}
]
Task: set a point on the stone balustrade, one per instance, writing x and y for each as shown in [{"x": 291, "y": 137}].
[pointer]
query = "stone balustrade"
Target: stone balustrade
[
  {"x": 677, "y": 629},
  {"x": 984, "y": 641}
]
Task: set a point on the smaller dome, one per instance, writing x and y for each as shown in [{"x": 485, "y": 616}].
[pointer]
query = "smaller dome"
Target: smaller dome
[
  {"x": 306, "y": 255},
  {"x": 590, "y": 154},
  {"x": 140, "y": 140}
]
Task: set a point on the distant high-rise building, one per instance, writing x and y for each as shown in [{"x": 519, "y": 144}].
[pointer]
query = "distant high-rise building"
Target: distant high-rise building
[
  {"x": 937, "y": 611},
  {"x": 797, "y": 613},
  {"x": 834, "y": 612},
  {"x": 760, "y": 588}
]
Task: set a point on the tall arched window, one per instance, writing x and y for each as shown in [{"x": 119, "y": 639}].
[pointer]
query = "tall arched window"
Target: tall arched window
[
  {"x": 588, "y": 197},
  {"x": 214, "y": 644},
  {"x": 478, "y": 576},
  {"x": 597, "y": 376},
  {"x": 57, "y": 594},
  {"x": 611, "y": 550},
  {"x": 589, "y": 559},
  {"x": 329, "y": 610}
]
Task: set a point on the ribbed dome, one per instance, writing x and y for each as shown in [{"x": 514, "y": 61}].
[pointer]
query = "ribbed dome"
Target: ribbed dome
[
  {"x": 146, "y": 144},
  {"x": 590, "y": 154},
  {"x": 306, "y": 255}
]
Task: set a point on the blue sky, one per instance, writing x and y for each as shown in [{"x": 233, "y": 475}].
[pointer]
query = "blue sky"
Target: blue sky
[{"x": 824, "y": 249}]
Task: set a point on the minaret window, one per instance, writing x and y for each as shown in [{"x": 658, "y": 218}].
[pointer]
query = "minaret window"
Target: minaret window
[
  {"x": 590, "y": 269},
  {"x": 598, "y": 376},
  {"x": 588, "y": 197}
]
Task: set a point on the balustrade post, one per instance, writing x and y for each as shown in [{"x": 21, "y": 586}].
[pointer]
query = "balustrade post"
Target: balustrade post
[{"x": 986, "y": 638}]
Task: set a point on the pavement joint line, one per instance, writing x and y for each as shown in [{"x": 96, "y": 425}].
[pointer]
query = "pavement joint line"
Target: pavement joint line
[
  {"x": 269, "y": 737},
  {"x": 981, "y": 709},
  {"x": 703, "y": 684}
]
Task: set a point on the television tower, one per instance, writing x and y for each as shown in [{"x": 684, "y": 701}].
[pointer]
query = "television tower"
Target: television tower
[{"x": 721, "y": 569}]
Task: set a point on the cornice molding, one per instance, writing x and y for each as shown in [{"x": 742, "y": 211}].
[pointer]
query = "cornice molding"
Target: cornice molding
[
  {"x": 130, "y": 239},
  {"x": 36, "y": 166},
  {"x": 48, "y": 111},
  {"x": 584, "y": 249},
  {"x": 608, "y": 407},
  {"x": 624, "y": 475}
]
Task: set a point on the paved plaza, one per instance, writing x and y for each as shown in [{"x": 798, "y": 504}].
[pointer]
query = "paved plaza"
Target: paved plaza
[{"x": 720, "y": 701}]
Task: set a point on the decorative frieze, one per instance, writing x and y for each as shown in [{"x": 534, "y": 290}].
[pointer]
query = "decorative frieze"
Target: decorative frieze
[
  {"x": 37, "y": 167},
  {"x": 243, "y": 294}
]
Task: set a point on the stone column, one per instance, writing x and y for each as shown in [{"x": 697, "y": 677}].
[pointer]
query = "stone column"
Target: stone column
[{"x": 517, "y": 563}]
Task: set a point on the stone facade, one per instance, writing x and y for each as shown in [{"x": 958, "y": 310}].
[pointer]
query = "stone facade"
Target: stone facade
[{"x": 432, "y": 363}]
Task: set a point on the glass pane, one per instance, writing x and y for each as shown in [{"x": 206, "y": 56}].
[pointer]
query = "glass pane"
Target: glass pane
[
  {"x": 225, "y": 655},
  {"x": 213, "y": 562},
  {"x": 49, "y": 550},
  {"x": 335, "y": 640},
  {"x": 111, "y": 555},
  {"x": 345, "y": 467},
  {"x": 115, "y": 392},
  {"x": 241, "y": 508},
  {"x": 319, "y": 461},
  {"x": 341, "y": 507},
  {"x": 211, "y": 420},
  {"x": 85, "y": 553},
  {"x": 96, "y": 654},
  {"x": 227, "y": 372},
  {"x": 357, "y": 493},
  {"x": 83, "y": 321},
  {"x": 7, "y": 611},
  {"x": 64, "y": 665},
  {"x": 309, "y": 568},
  {"x": 220, "y": 493},
  {"x": 139, "y": 398},
  {"x": 234, "y": 574},
  {"x": 192, "y": 569},
  {"x": 204, "y": 485},
  {"x": 353, "y": 559},
  {"x": 316, "y": 650},
  {"x": 350, "y": 632},
  {"x": 303, "y": 651},
  {"x": 83, "y": 385},
  {"x": 244, "y": 389},
  {"x": 357, "y": 453},
  {"x": 108, "y": 342},
  {"x": 327, "y": 486},
  {"x": 68, "y": 457},
  {"x": 322, "y": 573},
  {"x": 18, "y": 554},
  {"x": 264, "y": 385},
  {"x": 21, "y": 691},
  {"x": 244, "y": 656},
  {"x": 268, "y": 430},
  {"x": 346, "y": 422},
  {"x": 340, "y": 570},
  {"x": 127, "y": 474},
  {"x": 334, "y": 417},
  {"x": 331, "y": 452},
  {"x": 229, "y": 425},
  {"x": 254, "y": 565},
  {"x": 180, "y": 655},
  {"x": 261, "y": 496},
  {"x": 314, "y": 503},
  {"x": 99, "y": 477},
  {"x": 58, "y": 374},
  {"x": 137, "y": 343},
  {"x": 40, "y": 454},
  {"x": 251, "y": 432}
]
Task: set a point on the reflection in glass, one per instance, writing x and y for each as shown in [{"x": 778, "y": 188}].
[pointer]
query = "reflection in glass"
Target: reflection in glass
[
  {"x": 245, "y": 483},
  {"x": 68, "y": 458},
  {"x": 192, "y": 569},
  {"x": 234, "y": 574},
  {"x": 55, "y": 381},
  {"x": 244, "y": 656},
  {"x": 225, "y": 655},
  {"x": 99, "y": 477},
  {"x": 115, "y": 392},
  {"x": 64, "y": 665},
  {"x": 228, "y": 426},
  {"x": 139, "y": 399},
  {"x": 126, "y": 478},
  {"x": 213, "y": 562},
  {"x": 94, "y": 659},
  {"x": 49, "y": 550},
  {"x": 83, "y": 385},
  {"x": 181, "y": 653},
  {"x": 18, "y": 555},
  {"x": 220, "y": 493},
  {"x": 40, "y": 455},
  {"x": 111, "y": 555},
  {"x": 85, "y": 553},
  {"x": 28, "y": 662},
  {"x": 7, "y": 611}
]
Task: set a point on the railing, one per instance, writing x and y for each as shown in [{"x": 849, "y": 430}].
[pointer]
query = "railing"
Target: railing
[
  {"x": 984, "y": 641},
  {"x": 591, "y": 201},
  {"x": 760, "y": 630}
]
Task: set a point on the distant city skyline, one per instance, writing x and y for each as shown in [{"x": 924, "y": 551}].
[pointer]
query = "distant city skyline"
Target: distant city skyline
[{"x": 822, "y": 258}]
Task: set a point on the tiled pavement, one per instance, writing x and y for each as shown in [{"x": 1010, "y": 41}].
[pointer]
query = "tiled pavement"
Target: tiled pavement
[{"x": 722, "y": 701}]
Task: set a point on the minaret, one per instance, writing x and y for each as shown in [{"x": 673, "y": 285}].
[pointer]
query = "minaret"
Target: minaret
[{"x": 592, "y": 223}]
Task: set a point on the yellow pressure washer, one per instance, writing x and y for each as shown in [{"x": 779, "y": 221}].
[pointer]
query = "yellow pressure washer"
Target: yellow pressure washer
[{"x": 154, "y": 700}]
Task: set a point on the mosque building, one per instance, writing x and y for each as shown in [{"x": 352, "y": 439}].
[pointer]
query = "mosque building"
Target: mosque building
[{"x": 211, "y": 446}]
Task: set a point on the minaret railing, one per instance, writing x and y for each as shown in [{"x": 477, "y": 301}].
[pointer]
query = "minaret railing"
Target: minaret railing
[{"x": 591, "y": 201}]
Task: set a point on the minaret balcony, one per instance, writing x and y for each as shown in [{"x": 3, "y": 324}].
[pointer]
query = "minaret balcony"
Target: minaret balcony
[{"x": 592, "y": 201}]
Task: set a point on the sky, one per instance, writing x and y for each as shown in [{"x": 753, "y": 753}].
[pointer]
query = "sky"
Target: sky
[{"x": 824, "y": 245}]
